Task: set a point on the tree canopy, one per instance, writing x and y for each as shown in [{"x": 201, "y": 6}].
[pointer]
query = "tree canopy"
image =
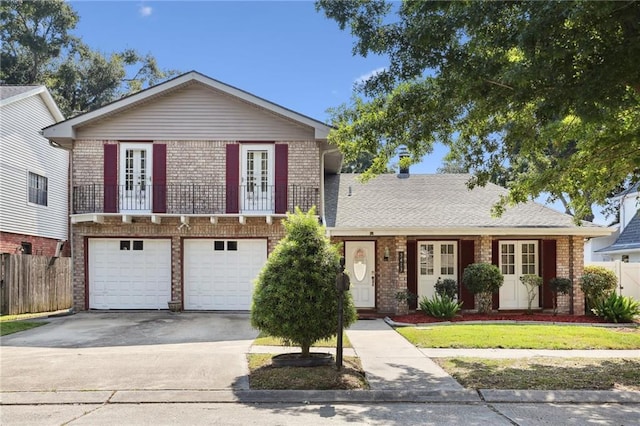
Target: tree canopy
[
  {"x": 38, "y": 47},
  {"x": 546, "y": 90}
]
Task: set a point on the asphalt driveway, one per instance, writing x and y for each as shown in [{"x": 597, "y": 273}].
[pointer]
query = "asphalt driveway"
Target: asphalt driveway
[{"x": 130, "y": 350}]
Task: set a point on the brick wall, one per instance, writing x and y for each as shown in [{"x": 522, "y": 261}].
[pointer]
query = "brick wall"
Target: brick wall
[
  {"x": 143, "y": 228},
  {"x": 196, "y": 162},
  {"x": 12, "y": 243}
]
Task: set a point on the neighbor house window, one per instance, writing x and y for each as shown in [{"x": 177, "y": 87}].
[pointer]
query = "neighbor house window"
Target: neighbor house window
[{"x": 37, "y": 189}]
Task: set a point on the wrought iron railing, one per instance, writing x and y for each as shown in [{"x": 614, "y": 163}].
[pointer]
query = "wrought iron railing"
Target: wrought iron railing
[{"x": 190, "y": 198}]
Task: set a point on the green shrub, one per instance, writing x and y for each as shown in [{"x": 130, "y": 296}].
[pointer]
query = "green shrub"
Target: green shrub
[
  {"x": 405, "y": 296},
  {"x": 295, "y": 297},
  {"x": 447, "y": 287},
  {"x": 615, "y": 308},
  {"x": 559, "y": 285},
  {"x": 440, "y": 306},
  {"x": 532, "y": 283},
  {"x": 597, "y": 283},
  {"x": 483, "y": 279}
]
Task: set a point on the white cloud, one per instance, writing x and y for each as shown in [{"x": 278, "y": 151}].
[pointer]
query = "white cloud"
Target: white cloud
[
  {"x": 145, "y": 11},
  {"x": 364, "y": 77}
]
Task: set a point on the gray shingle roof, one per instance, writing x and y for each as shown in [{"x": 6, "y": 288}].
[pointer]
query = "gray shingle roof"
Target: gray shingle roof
[
  {"x": 429, "y": 202},
  {"x": 629, "y": 238},
  {"x": 7, "y": 92}
]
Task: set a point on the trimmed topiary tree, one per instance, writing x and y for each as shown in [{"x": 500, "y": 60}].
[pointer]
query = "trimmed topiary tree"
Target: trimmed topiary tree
[
  {"x": 483, "y": 279},
  {"x": 532, "y": 282},
  {"x": 295, "y": 297},
  {"x": 597, "y": 283}
]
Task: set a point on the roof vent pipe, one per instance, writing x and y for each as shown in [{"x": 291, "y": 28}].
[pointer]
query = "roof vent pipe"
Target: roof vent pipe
[{"x": 404, "y": 171}]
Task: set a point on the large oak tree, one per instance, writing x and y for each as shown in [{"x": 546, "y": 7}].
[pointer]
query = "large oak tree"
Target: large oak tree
[{"x": 548, "y": 91}]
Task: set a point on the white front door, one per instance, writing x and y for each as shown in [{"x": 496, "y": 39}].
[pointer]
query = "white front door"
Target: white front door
[
  {"x": 135, "y": 178},
  {"x": 219, "y": 274},
  {"x": 517, "y": 258},
  {"x": 436, "y": 259},
  {"x": 360, "y": 263},
  {"x": 257, "y": 178}
]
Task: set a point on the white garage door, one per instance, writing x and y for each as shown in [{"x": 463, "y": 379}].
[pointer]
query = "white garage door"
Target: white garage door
[
  {"x": 219, "y": 274},
  {"x": 129, "y": 273}
]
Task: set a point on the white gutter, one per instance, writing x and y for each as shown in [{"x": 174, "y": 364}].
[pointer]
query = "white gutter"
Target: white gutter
[{"x": 577, "y": 231}]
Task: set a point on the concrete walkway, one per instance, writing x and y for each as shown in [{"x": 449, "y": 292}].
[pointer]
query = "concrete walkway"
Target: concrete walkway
[{"x": 392, "y": 363}]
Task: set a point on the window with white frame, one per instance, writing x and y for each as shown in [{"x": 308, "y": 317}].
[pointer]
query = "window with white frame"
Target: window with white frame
[{"x": 38, "y": 189}]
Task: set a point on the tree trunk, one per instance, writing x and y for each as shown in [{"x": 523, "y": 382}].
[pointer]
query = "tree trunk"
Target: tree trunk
[{"x": 305, "y": 350}]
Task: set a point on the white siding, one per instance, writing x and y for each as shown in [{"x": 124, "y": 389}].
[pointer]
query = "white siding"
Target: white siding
[
  {"x": 24, "y": 150},
  {"x": 196, "y": 112}
]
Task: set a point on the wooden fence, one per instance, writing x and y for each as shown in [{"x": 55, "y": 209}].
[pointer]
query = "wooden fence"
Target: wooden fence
[
  {"x": 628, "y": 276},
  {"x": 34, "y": 284}
]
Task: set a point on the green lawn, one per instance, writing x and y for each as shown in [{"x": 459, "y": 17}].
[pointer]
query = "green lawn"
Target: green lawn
[
  {"x": 16, "y": 326},
  {"x": 264, "y": 376},
  {"x": 510, "y": 336},
  {"x": 265, "y": 340},
  {"x": 544, "y": 373}
]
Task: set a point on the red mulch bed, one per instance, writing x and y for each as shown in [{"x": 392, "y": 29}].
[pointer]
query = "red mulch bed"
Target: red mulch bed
[{"x": 420, "y": 318}]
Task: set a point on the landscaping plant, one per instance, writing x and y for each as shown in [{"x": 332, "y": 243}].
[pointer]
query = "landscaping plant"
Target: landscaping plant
[
  {"x": 295, "y": 297},
  {"x": 483, "y": 279},
  {"x": 559, "y": 285},
  {"x": 447, "y": 287},
  {"x": 440, "y": 306},
  {"x": 597, "y": 283},
  {"x": 532, "y": 283},
  {"x": 616, "y": 308}
]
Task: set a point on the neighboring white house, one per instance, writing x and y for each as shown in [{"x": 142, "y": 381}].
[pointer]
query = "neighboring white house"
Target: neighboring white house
[
  {"x": 33, "y": 174},
  {"x": 624, "y": 244}
]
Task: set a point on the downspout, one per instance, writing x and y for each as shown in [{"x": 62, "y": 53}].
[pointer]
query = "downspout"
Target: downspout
[
  {"x": 69, "y": 198},
  {"x": 322, "y": 183}
]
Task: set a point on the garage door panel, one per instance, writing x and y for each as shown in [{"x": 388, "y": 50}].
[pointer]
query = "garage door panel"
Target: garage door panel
[
  {"x": 129, "y": 279},
  {"x": 220, "y": 276}
]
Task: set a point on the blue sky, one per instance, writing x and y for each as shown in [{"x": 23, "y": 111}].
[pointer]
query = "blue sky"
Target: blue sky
[{"x": 283, "y": 51}]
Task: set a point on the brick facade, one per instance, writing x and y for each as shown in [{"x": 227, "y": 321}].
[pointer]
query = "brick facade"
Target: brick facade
[
  {"x": 389, "y": 281},
  {"x": 227, "y": 228},
  {"x": 41, "y": 246}
]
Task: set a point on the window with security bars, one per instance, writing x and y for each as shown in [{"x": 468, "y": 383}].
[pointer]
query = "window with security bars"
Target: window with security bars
[{"x": 38, "y": 189}]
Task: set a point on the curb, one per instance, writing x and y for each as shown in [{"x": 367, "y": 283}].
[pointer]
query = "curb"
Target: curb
[{"x": 467, "y": 396}]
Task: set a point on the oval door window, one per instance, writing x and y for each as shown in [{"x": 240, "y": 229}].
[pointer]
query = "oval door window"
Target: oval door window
[{"x": 359, "y": 264}]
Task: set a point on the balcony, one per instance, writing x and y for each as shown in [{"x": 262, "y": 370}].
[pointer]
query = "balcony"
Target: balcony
[{"x": 192, "y": 199}]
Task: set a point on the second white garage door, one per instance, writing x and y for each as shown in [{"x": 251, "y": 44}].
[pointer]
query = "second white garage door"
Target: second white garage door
[{"x": 219, "y": 274}]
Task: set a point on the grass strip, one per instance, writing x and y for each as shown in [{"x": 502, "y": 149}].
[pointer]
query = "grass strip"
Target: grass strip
[
  {"x": 544, "y": 373},
  {"x": 513, "y": 336},
  {"x": 264, "y": 376},
  {"x": 16, "y": 326}
]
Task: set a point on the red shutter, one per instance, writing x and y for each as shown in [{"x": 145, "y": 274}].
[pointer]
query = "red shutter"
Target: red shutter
[
  {"x": 281, "y": 177},
  {"x": 495, "y": 259},
  {"x": 159, "y": 177},
  {"x": 412, "y": 272},
  {"x": 549, "y": 270},
  {"x": 110, "y": 178},
  {"x": 232, "y": 178},
  {"x": 467, "y": 257}
]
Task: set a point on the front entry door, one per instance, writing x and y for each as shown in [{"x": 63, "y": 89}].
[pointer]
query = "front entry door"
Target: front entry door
[
  {"x": 436, "y": 260},
  {"x": 517, "y": 258},
  {"x": 135, "y": 177},
  {"x": 360, "y": 263}
]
